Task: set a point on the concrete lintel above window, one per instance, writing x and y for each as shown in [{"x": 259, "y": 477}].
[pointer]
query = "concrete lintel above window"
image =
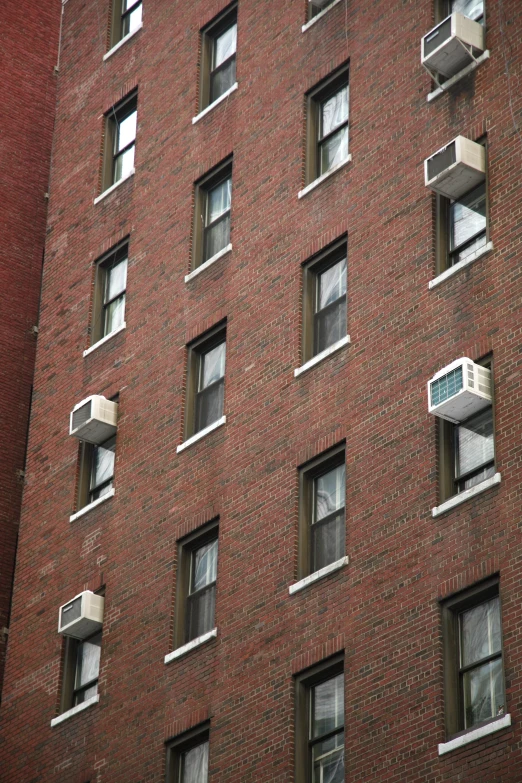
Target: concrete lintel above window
[
  {"x": 202, "y": 267},
  {"x": 311, "y": 578},
  {"x": 123, "y": 40},
  {"x": 324, "y": 176},
  {"x": 320, "y": 356},
  {"x": 201, "y": 434},
  {"x": 475, "y": 734},
  {"x": 184, "y": 649},
  {"x": 456, "y": 500},
  {"x": 113, "y": 187},
  {"x": 75, "y": 710},
  {"x": 320, "y": 15},
  {"x": 104, "y": 339},
  {"x": 458, "y": 76},
  {"x": 221, "y": 98},
  {"x": 461, "y": 265},
  {"x": 92, "y": 505}
]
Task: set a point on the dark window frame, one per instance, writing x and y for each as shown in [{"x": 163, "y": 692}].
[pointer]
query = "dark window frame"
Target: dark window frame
[
  {"x": 71, "y": 649},
  {"x": 103, "y": 265},
  {"x": 85, "y": 468},
  {"x": 195, "y": 352},
  {"x": 314, "y": 10},
  {"x": 176, "y": 747},
  {"x": 314, "y": 100},
  {"x": 202, "y": 189},
  {"x": 118, "y": 20},
  {"x": 220, "y": 24},
  {"x": 113, "y": 118}
]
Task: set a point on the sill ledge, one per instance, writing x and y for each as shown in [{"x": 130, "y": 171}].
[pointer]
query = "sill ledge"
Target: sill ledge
[
  {"x": 104, "y": 339},
  {"x": 113, "y": 187},
  {"x": 461, "y": 265},
  {"x": 221, "y": 98},
  {"x": 458, "y": 76},
  {"x": 308, "y": 580},
  {"x": 475, "y": 734},
  {"x": 201, "y": 434},
  {"x": 324, "y": 176},
  {"x": 75, "y": 710},
  {"x": 197, "y": 642},
  {"x": 320, "y": 15},
  {"x": 92, "y": 505},
  {"x": 320, "y": 356},
  {"x": 456, "y": 500},
  {"x": 206, "y": 264},
  {"x": 123, "y": 41}
]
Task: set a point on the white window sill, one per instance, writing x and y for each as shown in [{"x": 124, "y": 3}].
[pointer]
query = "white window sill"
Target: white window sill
[
  {"x": 456, "y": 500},
  {"x": 104, "y": 339},
  {"x": 320, "y": 15},
  {"x": 75, "y": 710},
  {"x": 123, "y": 41},
  {"x": 458, "y": 76},
  {"x": 201, "y": 434},
  {"x": 86, "y": 509},
  {"x": 197, "y": 642},
  {"x": 113, "y": 187},
  {"x": 308, "y": 580},
  {"x": 221, "y": 98},
  {"x": 461, "y": 265},
  {"x": 320, "y": 356},
  {"x": 208, "y": 263},
  {"x": 475, "y": 734},
  {"x": 324, "y": 176}
]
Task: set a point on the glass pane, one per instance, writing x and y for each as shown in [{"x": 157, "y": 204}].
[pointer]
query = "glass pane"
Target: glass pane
[
  {"x": 217, "y": 238},
  {"x": 116, "y": 280},
  {"x": 330, "y": 326},
  {"x": 483, "y": 692},
  {"x": 327, "y": 542},
  {"x": 475, "y": 442},
  {"x": 222, "y": 80},
  {"x": 332, "y": 284},
  {"x": 88, "y": 661},
  {"x": 467, "y": 216},
  {"x": 114, "y": 315},
  {"x": 328, "y": 760},
  {"x": 132, "y": 20},
  {"x": 213, "y": 365},
  {"x": 328, "y": 706},
  {"x": 200, "y": 611},
  {"x": 225, "y": 45},
  {"x": 334, "y": 150},
  {"x": 477, "y": 478},
  {"x": 204, "y": 565},
  {"x": 466, "y": 252},
  {"x": 126, "y": 130},
  {"x": 334, "y": 111},
  {"x": 329, "y": 491},
  {"x": 472, "y": 8},
  {"x": 480, "y": 632},
  {"x": 82, "y": 696},
  {"x": 102, "y": 465},
  {"x": 218, "y": 200},
  {"x": 194, "y": 764},
  {"x": 209, "y": 406},
  {"x": 124, "y": 164}
]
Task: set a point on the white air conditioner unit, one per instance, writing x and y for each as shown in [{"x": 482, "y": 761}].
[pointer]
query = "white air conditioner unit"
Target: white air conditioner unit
[
  {"x": 82, "y": 616},
  {"x": 459, "y": 390},
  {"x": 452, "y": 45},
  {"x": 94, "y": 419},
  {"x": 456, "y": 168}
]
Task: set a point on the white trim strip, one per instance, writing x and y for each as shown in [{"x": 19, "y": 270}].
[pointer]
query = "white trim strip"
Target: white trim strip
[
  {"x": 456, "y": 500},
  {"x": 461, "y": 265},
  {"x": 308, "y": 580},
  {"x": 475, "y": 734},
  {"x": 120, "y": 43},
  {"x": 201, "y": 434},
  {"x": 205, "y": 111},
  {"x": 92, "y": 505},
  {"x": 202, "y": 267},
  {"x": 199, "y": 640},
  {"x": 320, "y": 15},
  {"x": 320, "y": 356},
  {"x": 75, "y": 710},
  {"x": 113, "y": 187},
  {"x": 104, "y": 339},
  {"x": 458, "y": 76},
  {"x": 324, "y": 176}
]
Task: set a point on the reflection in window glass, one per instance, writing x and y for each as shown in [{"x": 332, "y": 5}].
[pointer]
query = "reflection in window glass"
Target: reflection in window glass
[
  {"x": 474, "y": 9},
  {"x": 475, "y": 449},
  {"x": 467, "y": 224},
  {"x": 87, "y": 669}
]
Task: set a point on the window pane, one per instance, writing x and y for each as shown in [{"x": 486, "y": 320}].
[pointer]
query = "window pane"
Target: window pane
[
  {"x": 334, "y": 111},
  {"x": 328, "y": 760},
  {"x": 483, "y": 692},
  {"x": 116, "y": 280},
  {"x": 332, "y": 284},
  {"x": 328, "y": 706},
  {"x": 126, "y": 130},
  {"x": 477, "y": 478},
  {"x": 475, "y": 442},
  {"x": 102, "y": 465},
  {"x": 468, "y": 216},
  {"x": 213, "y": 365},
  {"x": 194, "y": 764},
  {"x": 218, "y": 200},
  {"x": 200, "y": 612},
  {"x": 222, "y": 80},
  {"x": 334, "y": 150},
  {"x": 327, "y": 542},
  {"x": 114, "y": 315},
  {"x": 88, "y": 661},
  {"x": 480, "y": 632},
  {"x": 124, "y": 164},
  {"x": 472, "y": 8},
  {"x": 217, "y": 237},
  {"x": 132, "y": 20},
  {"x": 204, "y": 565},
  {"x": 225, "y": 45},
  {"x": 209, "y": 406},
  {"x": 330, "y": 326},
  {"x": 329, "y": 491}
]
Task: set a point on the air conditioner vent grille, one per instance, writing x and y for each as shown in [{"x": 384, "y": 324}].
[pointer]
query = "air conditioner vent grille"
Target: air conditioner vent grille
[
  {"x": 72, "y": 611},
  {"x": 437, "y": 36},
  {"x": 80, "y": 416},
  {"x": 441, "y": 161},
  {"x": 447, "y": 386}
]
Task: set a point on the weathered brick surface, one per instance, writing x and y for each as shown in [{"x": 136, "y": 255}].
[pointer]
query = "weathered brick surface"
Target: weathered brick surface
[{"x": 382, "y": 608}]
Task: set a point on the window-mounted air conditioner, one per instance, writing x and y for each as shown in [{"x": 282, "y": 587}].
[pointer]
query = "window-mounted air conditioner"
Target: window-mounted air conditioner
[
  {"x": 456, "y": 168},
  {"x": 459, "y": 390},
  {"x": 82, "y": 616},
  {"x": 94, "y": 419},
  {"x": 452, "y": 45}
]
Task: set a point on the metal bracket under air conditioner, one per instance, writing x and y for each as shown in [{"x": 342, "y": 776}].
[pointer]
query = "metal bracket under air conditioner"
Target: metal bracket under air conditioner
[{"x": 445, "y": 86}]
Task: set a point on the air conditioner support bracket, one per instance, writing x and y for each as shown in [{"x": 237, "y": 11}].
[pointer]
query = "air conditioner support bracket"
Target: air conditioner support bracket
[{"x": 445, "y": 86}]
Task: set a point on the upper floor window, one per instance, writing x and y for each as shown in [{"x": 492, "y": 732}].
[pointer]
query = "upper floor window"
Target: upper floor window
[
  {"x": 120, "y": 140},
  {"x": 218, "y": 57},
  {"x": 126, "y": 19},
  {"x": 187, "y": 757},
  {"x": 213, "y": 201},
  {"x": 327, "y": 125},
  {"x": 316, "y": 6},
  {"x": 324, "y": 300},
  {"x": 110, "y": 293},
  {"x": 206, "y": 381}
]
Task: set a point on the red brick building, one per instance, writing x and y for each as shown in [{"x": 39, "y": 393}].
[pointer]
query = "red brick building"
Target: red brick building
[{"x": 283, "y": 560}]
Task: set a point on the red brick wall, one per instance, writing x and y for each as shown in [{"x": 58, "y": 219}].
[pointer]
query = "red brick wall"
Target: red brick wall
[
  {"x": 382, "y": 608},
  {"x": 29, "y": 41}
]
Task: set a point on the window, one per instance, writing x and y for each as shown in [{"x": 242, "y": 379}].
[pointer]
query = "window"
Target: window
[
  {"x": 473, "y": 670},
  {"x": 327, "y": 125},
  {"x": 322, "y": 499},
  {"x": 109, "y": 293},
  {"x": 196, "y": 584},
  {"x": 187, "y": 757},
  {"x": 218, "y": 57},
  {"x": 467, "y": 450},
  {"x": 206, "y": 381},
  {"x": 81, "y": 670},
  {"x": 213, "y": 198},
  {"x": 126, "y": 18},
  {"x": 324, "y": 300},
  {"x": 96, "y": 471},
  {"x": 120, "y": 141},
  {"x": 316, "y": 6},
  {"x": 474, "y": 9},
  {"x": 320, "y": 724}
]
